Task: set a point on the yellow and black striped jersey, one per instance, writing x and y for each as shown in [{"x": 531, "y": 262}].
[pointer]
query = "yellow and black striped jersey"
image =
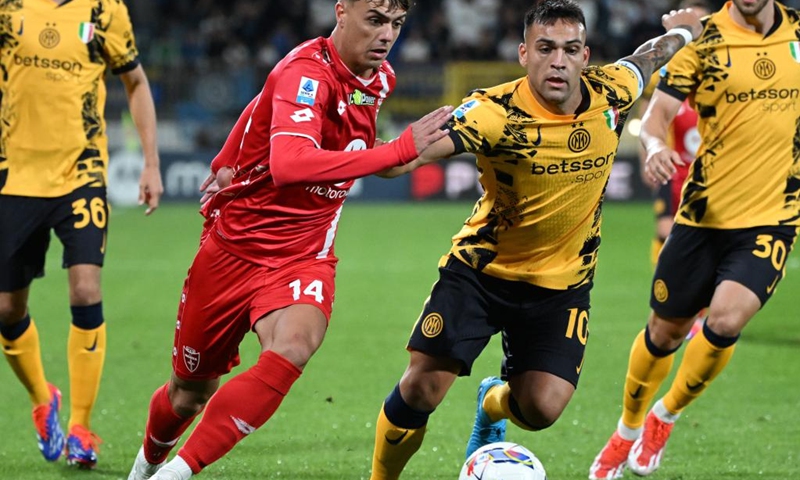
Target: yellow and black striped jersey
[
  {"x": 745, "y": 87},
  {"x": 53, "y": 60},
  {"x": 543, "y": 177}
]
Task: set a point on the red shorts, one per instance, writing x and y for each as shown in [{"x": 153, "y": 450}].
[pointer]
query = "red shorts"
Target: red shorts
[{"x": 224, "y": 296}]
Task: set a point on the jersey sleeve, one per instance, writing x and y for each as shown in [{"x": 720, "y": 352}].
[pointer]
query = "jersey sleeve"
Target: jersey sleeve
[
  {"x": 477, "y": 124},
  {"x": 622, "y": 81},
  {"x": 120, "y": 44},
  {"x": 302, "y": 93},
  {"x": 680, "y": 76}
]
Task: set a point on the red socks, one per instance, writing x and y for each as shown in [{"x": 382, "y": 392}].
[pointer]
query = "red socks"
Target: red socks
[
  {"x": 238, "y": 408},
  {"x": 164, "y": 427}
]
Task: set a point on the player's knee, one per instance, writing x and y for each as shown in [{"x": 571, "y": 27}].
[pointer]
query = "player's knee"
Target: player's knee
[
  {"x": 540, "y": 415},
  {"x": 667, "y": 334},
  {"x": 422, "y": 393},
  {"x": 725, "y": 325},
  {"x": 189, "y": 403},
  {"x": 11, "y": 312},
  {"x": 84, "y": 293}
]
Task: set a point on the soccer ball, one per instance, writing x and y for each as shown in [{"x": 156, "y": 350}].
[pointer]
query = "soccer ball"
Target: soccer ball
[{"x": 502, "y": 461}]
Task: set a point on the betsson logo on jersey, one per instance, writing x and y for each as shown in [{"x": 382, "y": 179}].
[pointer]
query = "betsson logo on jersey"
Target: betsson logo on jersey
[
  {"x": 48, "y": 63},
  {"x": 783, "y": 99},
  {"x": 576, "y": 166}
]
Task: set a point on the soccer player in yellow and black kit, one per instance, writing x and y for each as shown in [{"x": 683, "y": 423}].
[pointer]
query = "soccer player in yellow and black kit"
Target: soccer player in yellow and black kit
[
  {"x": 524, "y": 262},
  {"x": 53, "y": 161},
  {"x": 737, "y": 221}
]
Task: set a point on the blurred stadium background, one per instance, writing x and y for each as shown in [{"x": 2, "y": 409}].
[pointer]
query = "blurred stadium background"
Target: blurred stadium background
[{"x": 206, "y": 59}]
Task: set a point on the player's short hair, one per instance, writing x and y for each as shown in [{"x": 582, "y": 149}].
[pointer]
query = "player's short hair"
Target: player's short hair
[
  {"x": 404, "y": 5},
  {"x": 548, "y": 12}
]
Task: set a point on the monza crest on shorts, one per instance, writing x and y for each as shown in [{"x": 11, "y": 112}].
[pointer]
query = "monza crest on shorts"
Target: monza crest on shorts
[{"x": 191, "y": 358}]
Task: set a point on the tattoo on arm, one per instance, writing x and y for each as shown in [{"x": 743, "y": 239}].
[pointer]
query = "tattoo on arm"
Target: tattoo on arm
[{"x": 655, "y": 53}]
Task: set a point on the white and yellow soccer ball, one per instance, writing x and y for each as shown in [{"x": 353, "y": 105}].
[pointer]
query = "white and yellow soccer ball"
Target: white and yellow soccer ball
[{"x": 502, "y": 461}]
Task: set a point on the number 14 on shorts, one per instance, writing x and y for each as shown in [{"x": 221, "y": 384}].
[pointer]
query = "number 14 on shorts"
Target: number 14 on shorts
[{"x": 313, "y": 289}]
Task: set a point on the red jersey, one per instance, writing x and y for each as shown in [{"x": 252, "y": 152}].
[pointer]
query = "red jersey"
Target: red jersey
[
  {"x": 686, "y": 141},
  {"x": 285, "y": 205}
]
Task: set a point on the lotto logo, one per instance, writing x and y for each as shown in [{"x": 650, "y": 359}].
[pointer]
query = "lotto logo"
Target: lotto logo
[{"x": 304, "y": 115}]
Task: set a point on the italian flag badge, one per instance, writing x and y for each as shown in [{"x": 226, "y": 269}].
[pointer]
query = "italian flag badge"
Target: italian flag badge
[
  {"x": 86, "y": 32},
  {"x": 612, "y": 118},
  {"x": 794, "y": 47}
]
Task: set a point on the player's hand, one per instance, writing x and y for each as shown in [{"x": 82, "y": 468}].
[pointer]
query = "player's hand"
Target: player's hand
[
  {"x": 660, "y": 165},
  {"x": 150, "y": 188},
  {"x": 216, "y": 182},
  {"x": 685, "y": 18},
  {"x": 427, "y": 130},
  {"x": 647, "y": 180}
]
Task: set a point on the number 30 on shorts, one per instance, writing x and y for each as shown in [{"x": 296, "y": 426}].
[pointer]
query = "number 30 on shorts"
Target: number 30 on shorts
[
  {"x": 313, "y": 289},
  {"x": 769, "y": 248},
  {"x": 92, "y": 211}
]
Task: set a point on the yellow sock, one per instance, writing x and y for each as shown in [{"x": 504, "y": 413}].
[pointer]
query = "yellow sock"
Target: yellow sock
[
  {"x": 394, "y": 446},
  {"x": 645, "y": 374},
  {"x": 25, "y": 357},
  {"x": 496, "y": 405},
  {"x": 86, "y": 352},
  {"x": 701, "y": 364}
]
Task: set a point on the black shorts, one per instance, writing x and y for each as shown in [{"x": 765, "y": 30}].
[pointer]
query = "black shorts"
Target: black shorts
[
  {"x": 80, "y": 220},
  {"x": 695, "y": 260},
  {"x": 543, "y": 329}
]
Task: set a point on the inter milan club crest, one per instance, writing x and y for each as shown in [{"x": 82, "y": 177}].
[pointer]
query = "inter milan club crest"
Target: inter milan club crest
[
  {"x": 49, "y": 37},
  {"x": 191, "y": 358}
]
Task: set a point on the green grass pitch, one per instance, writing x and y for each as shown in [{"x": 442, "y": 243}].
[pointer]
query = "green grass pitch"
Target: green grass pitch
[{"x": 745, "y": 427}]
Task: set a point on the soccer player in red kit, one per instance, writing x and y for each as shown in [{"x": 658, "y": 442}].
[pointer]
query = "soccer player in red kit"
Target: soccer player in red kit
[{"x": 267, "y": 263}]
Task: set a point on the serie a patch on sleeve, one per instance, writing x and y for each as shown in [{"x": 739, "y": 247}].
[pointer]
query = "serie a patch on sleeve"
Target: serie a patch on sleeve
[
  {"x": 307, "y": 91},
  {"x": 464, "y": 108}
]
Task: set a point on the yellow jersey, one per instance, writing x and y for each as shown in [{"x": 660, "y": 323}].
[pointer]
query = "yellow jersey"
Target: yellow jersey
[
  {"x": 745, "y": 87},
  {"x": 543, "y": 177},
  {"x": 53, "y": 60}
]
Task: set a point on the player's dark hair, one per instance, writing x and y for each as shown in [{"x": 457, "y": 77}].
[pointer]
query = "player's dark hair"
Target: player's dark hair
[
  {"x": 548, "y": 12},
  {"x": 404, "y": 5}
]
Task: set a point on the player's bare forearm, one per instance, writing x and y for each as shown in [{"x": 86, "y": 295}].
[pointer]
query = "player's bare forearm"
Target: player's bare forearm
[
  {"x": 657, "y": 118},
  {"x": 655, "y": 53},
  {"x": 682, "y": 27},
  {"x": 442, "y": 148},
  {"x": 143, "y": 112}
]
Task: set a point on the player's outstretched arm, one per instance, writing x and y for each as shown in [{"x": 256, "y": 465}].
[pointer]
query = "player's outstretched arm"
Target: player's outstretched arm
[
  {"x": 441, "y": 147},
  {"x": 296, "y": 160},
  {"x": 660, "y": 161},
  {"x": 682, "y": 27},
  {"x": 143, "y": 112}
]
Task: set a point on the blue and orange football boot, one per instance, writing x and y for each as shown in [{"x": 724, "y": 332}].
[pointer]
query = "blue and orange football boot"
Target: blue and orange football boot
[
  {"x": 49, "y": 434},
  {"x": 82, "y": 447}
]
